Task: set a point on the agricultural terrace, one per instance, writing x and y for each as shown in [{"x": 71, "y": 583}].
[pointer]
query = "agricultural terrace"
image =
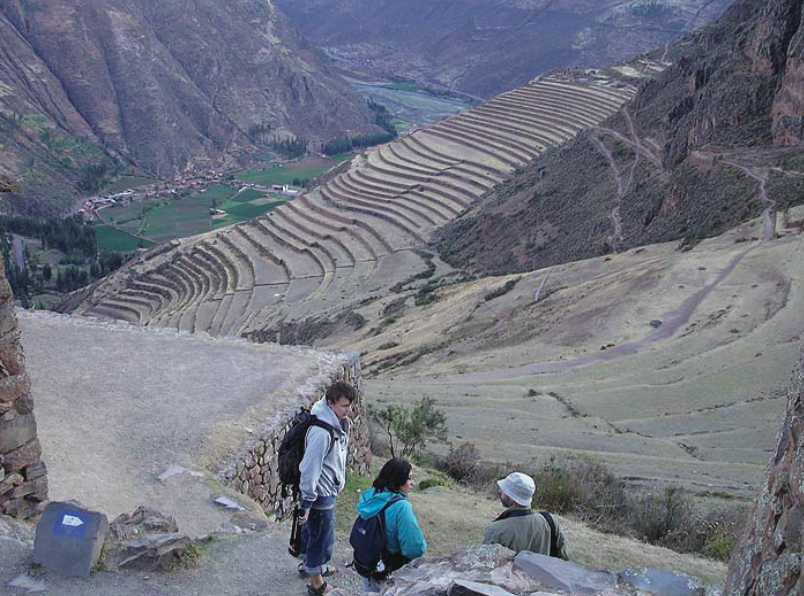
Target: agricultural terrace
[{"x": 302, "y": 268}]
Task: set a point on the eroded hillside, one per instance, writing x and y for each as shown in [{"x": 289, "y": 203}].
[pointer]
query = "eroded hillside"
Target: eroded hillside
[
  {"x": 91, "y": 86},
  {"x": 712, "y": 141}
]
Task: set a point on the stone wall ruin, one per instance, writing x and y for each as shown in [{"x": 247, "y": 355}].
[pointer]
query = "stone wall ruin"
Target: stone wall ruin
[
  {"x": 254, "y": 470},
  {"x": 23, "y": 476}
]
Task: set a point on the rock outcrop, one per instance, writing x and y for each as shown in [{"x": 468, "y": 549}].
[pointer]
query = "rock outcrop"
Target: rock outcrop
[
  {"x": 23, "y": 475},
  {"x": 769, "y": 558},
  {"x": 493, "y": 570}
]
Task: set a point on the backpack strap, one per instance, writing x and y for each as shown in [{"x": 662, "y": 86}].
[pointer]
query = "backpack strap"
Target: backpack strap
[
  {"x": 316, "y": 421},
  {"x": 514, "y": 513},
  {"x": 553, "y": 533}
]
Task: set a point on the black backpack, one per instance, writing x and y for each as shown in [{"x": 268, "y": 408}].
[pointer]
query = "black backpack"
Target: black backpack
[
  {"x": 368, "y": 541},
  {"x": 291, "y": 449}
]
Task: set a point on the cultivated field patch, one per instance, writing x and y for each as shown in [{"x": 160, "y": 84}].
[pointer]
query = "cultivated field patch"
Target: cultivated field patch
[{"x": 286, "y": 173}]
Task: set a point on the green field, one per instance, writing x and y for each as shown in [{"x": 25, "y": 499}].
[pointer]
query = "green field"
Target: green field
[
  {"x": 127, "y": 182},
  {"x": 301, "y": 170},
  {"x": 113, "y": 240},
  {"x": 161, "y": 220}
]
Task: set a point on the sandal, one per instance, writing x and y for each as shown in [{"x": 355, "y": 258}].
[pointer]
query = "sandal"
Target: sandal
[
  {"x": 325, "y": 588},
  {"x": 330, "y": 570}
]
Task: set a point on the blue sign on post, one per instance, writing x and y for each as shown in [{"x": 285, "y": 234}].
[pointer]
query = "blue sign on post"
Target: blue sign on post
[
  {"x": 71, "y": 524},
  {"x": 69, "y": 539}
]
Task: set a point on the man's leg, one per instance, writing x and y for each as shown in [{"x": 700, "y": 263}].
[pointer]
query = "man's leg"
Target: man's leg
[{"x": 320, "y": 544}]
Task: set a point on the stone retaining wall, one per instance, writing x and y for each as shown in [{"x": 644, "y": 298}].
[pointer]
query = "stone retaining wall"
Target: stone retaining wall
[
  {"x": 254, "y": 470},
  {"x": 23, "y": 476}
]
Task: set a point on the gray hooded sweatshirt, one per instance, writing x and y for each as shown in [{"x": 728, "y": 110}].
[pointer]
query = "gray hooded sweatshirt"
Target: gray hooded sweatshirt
[{"x": 323, "y": 470}]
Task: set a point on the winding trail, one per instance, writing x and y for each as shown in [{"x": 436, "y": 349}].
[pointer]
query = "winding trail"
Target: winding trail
[
  {"x": 635, "y": 141},
  {"x": 769, "y": 214},
  {"x": 615, "y": 239}
]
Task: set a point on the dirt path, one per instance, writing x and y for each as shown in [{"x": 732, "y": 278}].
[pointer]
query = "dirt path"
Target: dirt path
[
  {"x": 635, "y": 141},
  {"x": 769, "y": 214},
  {"x": 664, "y": 54},
  {"x": 615, "y": 239}
]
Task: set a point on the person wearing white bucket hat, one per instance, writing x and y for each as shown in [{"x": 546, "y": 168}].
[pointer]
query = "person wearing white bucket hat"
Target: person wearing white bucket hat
[{"x": 519, "y": 527}]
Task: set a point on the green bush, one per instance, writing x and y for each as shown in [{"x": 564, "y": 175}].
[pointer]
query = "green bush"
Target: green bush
[
  {"x": 431, "y": 482},
  {"x": 410, "y": 429},
  {"x": 502, "y": 290}
]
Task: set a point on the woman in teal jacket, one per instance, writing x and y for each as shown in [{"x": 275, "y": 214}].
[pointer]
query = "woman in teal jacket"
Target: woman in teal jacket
[{"x": 403, "y": 537}]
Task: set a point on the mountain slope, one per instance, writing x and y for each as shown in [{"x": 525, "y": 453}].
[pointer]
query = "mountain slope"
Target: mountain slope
[
  {"x": 484, "y": 47},
  {"x": 712, "y": 141},
  {"x": 166, "y": 85}
]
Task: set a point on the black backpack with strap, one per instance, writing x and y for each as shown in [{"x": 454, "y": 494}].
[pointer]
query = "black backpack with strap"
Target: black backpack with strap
[
  {"x": 291, "y": 449},
  {"x": 370, "y": 558},
  {"x": 548, "y": 518}
]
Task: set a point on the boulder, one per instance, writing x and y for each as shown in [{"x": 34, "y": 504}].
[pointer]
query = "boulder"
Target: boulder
[
  {"x": 562, "y": 575},
  {"x": 467, "y": 588},
  {"x": 146, "y": 540},
  {"x": 143, "y": 521},
  {"x": 661, "y": 582},
  {"x": 153, "y": 551}
]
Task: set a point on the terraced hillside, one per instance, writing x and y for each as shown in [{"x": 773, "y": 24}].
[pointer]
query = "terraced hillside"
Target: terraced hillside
[{"x": 358, "y": 234}]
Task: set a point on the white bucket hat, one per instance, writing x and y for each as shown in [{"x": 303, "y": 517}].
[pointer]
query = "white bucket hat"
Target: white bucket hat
[{"x": 519, "y": 487}]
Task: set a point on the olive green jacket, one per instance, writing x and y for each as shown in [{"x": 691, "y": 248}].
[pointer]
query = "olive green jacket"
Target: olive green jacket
[{"x": 525, "y": 532}]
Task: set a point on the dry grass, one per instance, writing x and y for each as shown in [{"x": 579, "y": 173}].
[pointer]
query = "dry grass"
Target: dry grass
[{"x": 700, "y": 408}]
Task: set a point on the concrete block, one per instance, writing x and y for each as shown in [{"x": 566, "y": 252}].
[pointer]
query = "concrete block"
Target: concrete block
[{"x": 69, "y": 539}]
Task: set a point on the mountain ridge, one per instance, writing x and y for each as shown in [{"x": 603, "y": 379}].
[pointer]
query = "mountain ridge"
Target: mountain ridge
[
  {"x": 712, "y": 141},
  {"x": 165, "y": 87}
]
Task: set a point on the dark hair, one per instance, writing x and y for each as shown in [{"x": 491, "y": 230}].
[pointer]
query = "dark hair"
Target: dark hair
[
  {"x": 341, "y": 389},
  {"x": 393, "y": 475}
]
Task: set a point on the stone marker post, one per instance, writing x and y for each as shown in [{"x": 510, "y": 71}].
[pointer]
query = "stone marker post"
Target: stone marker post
[
  {"x": 23, "y": 479},
  {"x": 69, "y": 539}
]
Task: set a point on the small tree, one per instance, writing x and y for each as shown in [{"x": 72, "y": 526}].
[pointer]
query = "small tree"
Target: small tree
[{"x": 409, "y": 429}]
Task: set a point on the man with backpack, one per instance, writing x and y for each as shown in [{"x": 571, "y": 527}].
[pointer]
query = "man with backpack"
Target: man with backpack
[
  {"x": 519, "y": 527},
  {"x": 323, "y": 476}
]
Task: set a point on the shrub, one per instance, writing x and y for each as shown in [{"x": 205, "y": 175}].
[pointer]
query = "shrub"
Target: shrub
[
  {"x": 460, "y": 463},
  {"x": 431, "y": 482},
  {"x": 394, "y": 307},
  {"x": 502, "y": 290},
  {"x": 410, "y": 429},
  {"x": 584, "y": 487},
  {"x": 658, "y": 516}
]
